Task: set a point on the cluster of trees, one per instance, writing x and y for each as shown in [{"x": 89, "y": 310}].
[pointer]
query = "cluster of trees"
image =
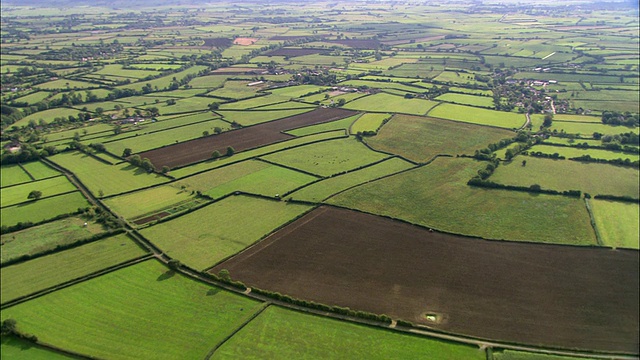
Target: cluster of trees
[
  {"x": 27, "y": 153},
  {"x": 535, "y": 188},
  {"x": 618, "y": 118},
  {"x": 540, "y": 154},
  {"x": 145, "y": 163},
  {"x": 10, "y": 327},
  {"x": 626, "y": 162}
]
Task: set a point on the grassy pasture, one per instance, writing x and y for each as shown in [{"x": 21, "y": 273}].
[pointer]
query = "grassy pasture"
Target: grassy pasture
[
  {"x": 18, "y": 194},
  {"x": 563, "y": 175},
  {"x": 369, "y": 122},
  {"x": 43, "y": 209},
  {"x": 466, "y": 99},
  {"x": 577, "y": 118},
  {"x": 382, "y": 102},
  {"x": 159, "y": 315},
  {"x": 186, "y": 105},
  {"x": 66, "y": 84},
  {"x": 333, "y": 125},
  {"x": 383, "y": 85},
  {"x": 327, "y": 158},
  {"x": 148, "y": 200},
  {"x": 321, "y": 190},
  {"x": 46, "y": 115},
  {"x": 520, "y": 355},
  {"x": 46, "y": 236},
  {"x": 212, "y": 164},
  {"x": 235, "y": 90},
  {"x": 478, "y": 116},
  {"x": 250, "y": 176},
  {"x": 570, "y": 152},
  {"x": 454, "y": 77},
  {"x": 292, "y": 104},
  {"x": 110, "y": 179},
  {"x": 248, "y": 118},
  {"x": 229, "y": 232},
  {"x": 28, "y": 277},
  {"x": 279, "y": 333},
  {"x": 165, "y": 81},
  {"x": 39, "y": 170},
  {"x": 208, "y": 82},
  {"x": 296, "y": 91},
  {"x": 617, "y": 222},
  {"x": 255, "y": 102},
  {"x": 34, "y": 98},
  {"x": 13, "y": 174},
  {"x": 421, "y": 138},
  {"x": 437, "y": 196}
]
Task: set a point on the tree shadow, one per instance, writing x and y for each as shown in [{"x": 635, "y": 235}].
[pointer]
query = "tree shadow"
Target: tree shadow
[
  {"x": 213, "y": 291},
  {"x": 166, "y": 275}
]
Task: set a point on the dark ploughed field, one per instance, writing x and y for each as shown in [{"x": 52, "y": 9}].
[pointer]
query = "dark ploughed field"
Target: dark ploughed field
[
  {"x": 557, "y": 296},
  {"x": 189, "y": 152}
]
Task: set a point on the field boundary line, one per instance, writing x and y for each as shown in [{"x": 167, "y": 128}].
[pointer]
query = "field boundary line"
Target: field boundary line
[
  {"x": 26, "y": 171},
  {"x": 32, "y": 181},
  {"x": 264, "y": 306},
  {"x": 593, "y": 222},
  {"x": 29, "y": 201}
]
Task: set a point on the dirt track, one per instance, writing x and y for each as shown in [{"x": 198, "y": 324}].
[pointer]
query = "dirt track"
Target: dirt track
[
  {"x": 242, "y": 139},
  {"x": 558, "y": 296}
]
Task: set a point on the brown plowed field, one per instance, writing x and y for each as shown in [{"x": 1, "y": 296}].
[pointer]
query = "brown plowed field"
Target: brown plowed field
[
  {"x": 558, "y": 296},
  {"x": 218, "y": 42},
  {"x": 242, "y": 139},
  {"x": 358, "y": 43}
]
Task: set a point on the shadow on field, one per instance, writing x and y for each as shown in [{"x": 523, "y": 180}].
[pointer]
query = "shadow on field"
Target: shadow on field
[
  {"x": 166, "y": 275},
  {"x": 213, "y": 291}
]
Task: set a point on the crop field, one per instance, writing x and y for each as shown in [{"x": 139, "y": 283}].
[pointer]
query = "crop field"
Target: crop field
[
  {"x": 391, "y": 103},
  {"x": 389, "y": 157},
  {"x": 27, "y": 277},
  {"x": 43, "y": 209},
  {"x": 46, "y": 237},
  {"x": 562, "y": 175},
  {"x": 254, "y": 117},
  {"x": 616, "y": 223},
  {"x": 515, "y": 305},
  {"x": 106, "y": 179},
  {"x": 242, "y": 139},
  {"x": 150, "y": 323},
  {"x": 421, "y": 138},
  {"x": 282, "y": 333},
  {"x": 249, "y": 154},
  {"x": 321, "y": 190},
  {"x": 252, "y": 176},
  {"x": 201, "y": 247},
  {"x": 327, "y": 158},
  {"x": 478, "y": 116},
  {"x": 445, "y": 202}
]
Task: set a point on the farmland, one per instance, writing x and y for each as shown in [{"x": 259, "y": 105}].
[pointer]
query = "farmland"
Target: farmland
[{"x": 389, "y": 179}]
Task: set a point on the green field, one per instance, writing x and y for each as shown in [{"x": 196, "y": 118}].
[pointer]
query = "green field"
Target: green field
[
  {"x": 279, "y": 333},
  {"x": 391, "y": 103},
  {"x": 49, "y": 187},
  {"x": 333, "y": 125},
  {"x": 47, "y": 236},
  {"x": 464, "y": 99},
  {"x": 186, "y": 239},
  {"x": 252, "y": 176},
  {"x": 13, "y": 348},
  {"x": 321, "y": 190},
  {"x": 43, "y": 209},
  {"x": 47, "y": 271},
  {"x": 47, "y": 115},
  {"x": 617, "y": 222},
  {"x": 479, "y": 116},
  {"x": 212, "y": 164},
  {"x": 165, "y": 81},
  {"x": 369, "y": 122},
  {"x": 519, "y": 355},
  {"x": 571, "y": 152},
  {"x": 443, "y": 201},
  {"x": 587, "y": 129},
  {"x": 39, "y": 170},
  {"x": 142, "y": 311},
  {"x": 12, "y": 175},
  {"x": 254, "y": 102},
  {"x": 148, "y": 200},
  {"x": 327, "y": 158},
  {"x": 235, "y": 90},
  {"x": 108, "y": 179},
  {"x": 577, "y": 118},
  {"x": 421, "y": 138},
  {"x": 562, "y": 175}
]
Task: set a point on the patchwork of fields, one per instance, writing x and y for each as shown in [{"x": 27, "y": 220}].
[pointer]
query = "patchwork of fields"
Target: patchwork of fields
[{"x": 320, "y": 180}]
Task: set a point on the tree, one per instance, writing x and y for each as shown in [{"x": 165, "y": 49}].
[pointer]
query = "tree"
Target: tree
[
  {"x": 217, "y": 130},
  {"x": 9, "y": 326},
  {"x": 215, "y": 154},
  {"x": 509, "y": 154},
  {"x": 147, "y": 165},
  {"x": 174, "y": 264},
  {"x": 205, "y": 133},
  {"x": 127, "y": 152},
  {"x": 135, "y": 160},
  {"x": 524, "y": 162},
  {"x": 341, "y": 102},
  {"x": 548, "y": 120},
  {"x": 165, "y": 169},
  {"x": 224, "y": 275},
  {"x": 214, "y": 106},
  {"x": 117, "y": 129},
  {"x": 230, "y": 151},
  {"x": 34, "y": 194}
]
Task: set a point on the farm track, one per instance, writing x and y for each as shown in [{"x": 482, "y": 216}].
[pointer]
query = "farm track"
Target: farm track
[{"x": 157, "y": 253}]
